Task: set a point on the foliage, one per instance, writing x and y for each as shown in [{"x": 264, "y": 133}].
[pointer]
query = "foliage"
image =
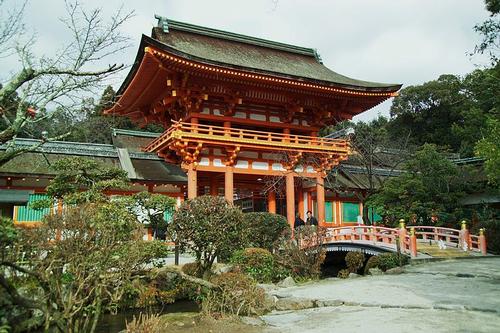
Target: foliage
[
  {"x": 449, "y": 112},
  {"x": 257, "y": 263},
  {"x": 83, "y": 265},
  {"x": 343, "y": 273},
  {"x": 236, "y": 294},
  {"x": 265, "y": 228},
  {"x": 390, "y": 260},
  {"x": 354, "y": 261},
  {"x": 71, "y": 267},
  {"x": 74, "y": 174},
  {"x": 193, "y": 269},
  {"x": 152, "y": 209},
  {"x": 490, "y": 31},
  {"x": 303, "y": 255},
  {"x": 430, "y": 186},
  {"x": 489, "y": 148},
  {"x": 45, "y": 86},
  {"x": 488, "y": 218},
  {"x": 372, "y": 262},
  {"x": 145, "y": 323},
  {"x": 210, "y": 227}
]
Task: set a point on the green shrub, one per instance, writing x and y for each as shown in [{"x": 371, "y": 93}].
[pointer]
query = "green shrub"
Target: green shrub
[
  {"x": 343, "y": 274},
  {"x": 211, "y": 227},
  {"x": 354, "y": 261},
  {"x": 371, "y": 263},
  {"x": 265, "y": 229},
  {"x": 236, "y": 294},
  {"x": 256, "y": 263},
  {"x": 390, "y": 260},
  {"x": 492, "y": 234},
  {"x": 193, "y": 269}
]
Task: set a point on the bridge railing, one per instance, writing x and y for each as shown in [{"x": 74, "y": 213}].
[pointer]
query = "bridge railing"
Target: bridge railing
[
  {"x": 452, "y": 237},
  {"x": 407, "y": 238},
  {"x": 381, "y": 236}
]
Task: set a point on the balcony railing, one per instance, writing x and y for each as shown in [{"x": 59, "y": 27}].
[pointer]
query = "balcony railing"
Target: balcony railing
[{"x": 222, "y": 136}]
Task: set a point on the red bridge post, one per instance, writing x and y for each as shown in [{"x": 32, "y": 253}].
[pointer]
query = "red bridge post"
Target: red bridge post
[
  {"x": 413, "y": 243},
  {"x": 482, "y": 242},
  {"x": 402, "y": 235},
  {"x": 464, "y": 237}
]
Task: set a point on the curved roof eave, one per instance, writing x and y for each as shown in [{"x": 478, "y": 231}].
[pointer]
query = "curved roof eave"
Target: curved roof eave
[{"x": 148, "y": 41}]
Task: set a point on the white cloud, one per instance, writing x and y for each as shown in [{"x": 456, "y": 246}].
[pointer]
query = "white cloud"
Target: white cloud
[{"x": 407, "y": 42}]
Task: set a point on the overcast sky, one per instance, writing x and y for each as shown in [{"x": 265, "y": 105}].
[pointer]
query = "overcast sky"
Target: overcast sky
[{"x": 395, "y": 41}]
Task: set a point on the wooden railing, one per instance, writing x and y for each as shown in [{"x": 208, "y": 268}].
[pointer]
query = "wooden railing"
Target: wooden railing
[
  {"x": 407, "y": 237},
  {"x": 216, "y": 134}
]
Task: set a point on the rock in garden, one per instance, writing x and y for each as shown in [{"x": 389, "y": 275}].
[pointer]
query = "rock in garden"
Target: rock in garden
[
  {"x": 294, "y": 303},
  {"x": 395, "y": 270},
  {"x": 375, "y": 271},
  {"x": 287, "y": 282}
]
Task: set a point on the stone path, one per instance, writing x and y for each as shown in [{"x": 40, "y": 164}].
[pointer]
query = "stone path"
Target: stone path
[{"x": 450, "y": 296}]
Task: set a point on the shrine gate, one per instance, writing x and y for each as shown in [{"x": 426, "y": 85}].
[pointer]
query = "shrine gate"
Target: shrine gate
[{"x": 238, "y": 109}]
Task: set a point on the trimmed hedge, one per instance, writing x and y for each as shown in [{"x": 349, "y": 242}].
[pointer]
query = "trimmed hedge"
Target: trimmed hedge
[{"x": 265, "y": 229}]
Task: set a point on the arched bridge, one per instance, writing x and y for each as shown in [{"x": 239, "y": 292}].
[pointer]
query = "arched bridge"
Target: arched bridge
[{"x": 375, "y": 240}]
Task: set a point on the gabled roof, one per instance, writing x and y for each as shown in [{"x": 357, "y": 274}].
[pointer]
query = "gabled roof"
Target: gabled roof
[
  {"x": 147, "y": 166},
  {"x": 246, "y": 52}
]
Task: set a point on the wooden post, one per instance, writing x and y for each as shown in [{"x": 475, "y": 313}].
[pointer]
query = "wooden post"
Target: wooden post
[
  {"x": 300, "y": 194},
  {"x": 482, "y": 242},
  {"x": 192, "y": 182},
  {"x": 464, "y": 237},
  {"x": 320, "y": 197},
  {"x": 271, "y": 202},
  {"x": 290, "y": 199},
  {"x": 413, "y": 243},
  {"x": 228, "y": 184},
  {"x": 214, "y": 191},
  {"x": 402, "y": 235}
]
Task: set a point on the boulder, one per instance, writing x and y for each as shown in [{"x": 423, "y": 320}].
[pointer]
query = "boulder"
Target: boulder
[
  {"x": 375, "y": 271},
  {"x": 287, "y": 282},
  {"x": 222, "y": 268},
  {"x": 395, "y": 271},
  {"x": 294, "y": 303}
]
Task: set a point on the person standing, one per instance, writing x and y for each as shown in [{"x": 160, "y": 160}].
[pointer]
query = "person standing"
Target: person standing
[
  {"x": 298, "y": 221},
  {"x": 311, "y": 220}
]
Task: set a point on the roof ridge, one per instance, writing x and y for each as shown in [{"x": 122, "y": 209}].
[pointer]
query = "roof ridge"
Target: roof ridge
[
  {"x": 145, "y": 134},
  {"x": 167, "y": 24}
]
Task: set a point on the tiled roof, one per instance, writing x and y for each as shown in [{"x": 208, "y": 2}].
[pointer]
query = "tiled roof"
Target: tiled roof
[{"x": 235, "y": 50}]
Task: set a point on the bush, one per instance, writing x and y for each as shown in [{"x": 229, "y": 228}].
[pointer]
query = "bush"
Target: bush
[
  {"x": 343, "y": 274},
  {"x": 256, "y": 263},
  {"x": 236, "y": 294},
  {"x": 265, "y": 229},
  {"x": 304, "y": 255},
  {"x": 390, "y": 260},
  {"x": 371, "y": 263},
  {"x": 211, "y": 227},
  {"x": 145, "y": 324},
  {"x": 354, "y": 261},
  {"x": 193, "y": 269}
]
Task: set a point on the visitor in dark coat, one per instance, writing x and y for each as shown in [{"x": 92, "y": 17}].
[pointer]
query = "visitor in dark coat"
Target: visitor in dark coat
[
  {"x": 311, "y": 220},
  {"x": 298, "y": 221}
]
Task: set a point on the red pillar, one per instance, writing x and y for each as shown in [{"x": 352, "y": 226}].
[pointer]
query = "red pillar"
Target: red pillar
[
  {"x": 271, "y": 202},
  {"x": 290, "y": 199},
  {"x": 320, "y": 197},
  {"x": 213, "y": 186},
  {"x": 192, "y": 182},
  {"x": 300, "y": 194},
  {"x": 228, "y": 184}
]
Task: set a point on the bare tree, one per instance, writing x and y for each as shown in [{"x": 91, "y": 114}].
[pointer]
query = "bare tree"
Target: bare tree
[{"x": 48, "y": 84}]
